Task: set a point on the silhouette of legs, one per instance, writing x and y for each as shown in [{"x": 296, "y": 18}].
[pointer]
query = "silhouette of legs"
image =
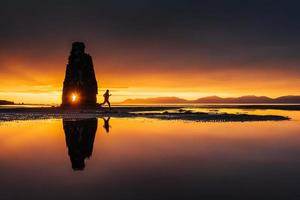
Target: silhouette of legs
[
  {"x": 108, "y": 103},
  {"x": 106, "y": 125}
]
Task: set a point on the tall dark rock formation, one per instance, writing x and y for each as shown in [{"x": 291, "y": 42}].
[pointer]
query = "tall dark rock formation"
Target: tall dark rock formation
[
  {"x": 80, "y": 84},
  {"x": 80, "y": 136}
]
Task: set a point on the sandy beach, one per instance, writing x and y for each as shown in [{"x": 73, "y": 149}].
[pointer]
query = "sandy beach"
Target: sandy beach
[{"x": 158, "y": 112}]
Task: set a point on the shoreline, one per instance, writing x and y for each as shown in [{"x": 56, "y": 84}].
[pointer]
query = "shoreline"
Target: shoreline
[
  {"x": 156, "y": 112},
  {"x": 144, "y": 106}
]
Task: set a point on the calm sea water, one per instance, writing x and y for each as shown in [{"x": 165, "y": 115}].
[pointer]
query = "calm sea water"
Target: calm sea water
[{"x": 151, "y": 159}]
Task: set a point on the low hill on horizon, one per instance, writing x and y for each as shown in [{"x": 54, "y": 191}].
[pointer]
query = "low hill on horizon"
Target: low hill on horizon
[
  {"x": 214, "y": 99},
  {"x": 4, "y": 102},
  {"x": 156, "y": 100}
]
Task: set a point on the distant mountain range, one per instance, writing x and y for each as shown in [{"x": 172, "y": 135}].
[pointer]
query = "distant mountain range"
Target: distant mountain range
[
  {"x": 214, "y": 99},
  {"x": 4, "y": 102}
]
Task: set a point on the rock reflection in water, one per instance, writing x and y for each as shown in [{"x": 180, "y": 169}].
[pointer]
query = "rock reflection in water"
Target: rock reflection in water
[{"x": 80, "y": 136}]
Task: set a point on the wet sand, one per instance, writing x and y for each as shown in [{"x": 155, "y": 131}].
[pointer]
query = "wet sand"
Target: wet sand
[{"x": 158, "y": 112}]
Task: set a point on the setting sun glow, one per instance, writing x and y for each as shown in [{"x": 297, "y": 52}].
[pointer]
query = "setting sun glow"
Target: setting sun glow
[{"x": 74, "y": 97}]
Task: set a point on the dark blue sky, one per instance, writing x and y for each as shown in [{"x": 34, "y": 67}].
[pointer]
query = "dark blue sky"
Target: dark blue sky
[{"x": 189, "y": 23}]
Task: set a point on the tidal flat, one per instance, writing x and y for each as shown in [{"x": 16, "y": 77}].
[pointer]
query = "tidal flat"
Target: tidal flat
[{"x": 191, "y": 113}]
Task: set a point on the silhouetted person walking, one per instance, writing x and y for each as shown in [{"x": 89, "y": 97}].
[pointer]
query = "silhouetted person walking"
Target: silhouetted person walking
[{"x": 106, "y": 96}]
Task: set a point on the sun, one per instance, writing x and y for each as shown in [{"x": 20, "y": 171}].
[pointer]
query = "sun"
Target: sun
[{"x": 74, "y": 97}]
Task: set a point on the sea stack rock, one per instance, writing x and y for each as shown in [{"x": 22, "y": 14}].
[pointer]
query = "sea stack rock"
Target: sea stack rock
[
  {"x": 80, "y": 136},
  {"x": 80, "y": 85}
]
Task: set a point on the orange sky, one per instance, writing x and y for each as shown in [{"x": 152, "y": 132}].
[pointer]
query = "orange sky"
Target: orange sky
[
  {"x": 188, "y": 49},
  {"x": 36, "y": 81}
]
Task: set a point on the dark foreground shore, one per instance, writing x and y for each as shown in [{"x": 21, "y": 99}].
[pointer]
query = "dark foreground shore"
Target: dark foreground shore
[{"x": 158, "y": 112}]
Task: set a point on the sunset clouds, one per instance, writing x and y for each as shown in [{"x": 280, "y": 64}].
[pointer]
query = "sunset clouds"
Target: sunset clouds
[{"x": 152, "y": 48}]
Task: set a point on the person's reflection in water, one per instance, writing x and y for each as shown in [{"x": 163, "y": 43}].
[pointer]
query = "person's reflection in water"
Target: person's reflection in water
[
  {"x": 80, "y": 135},
  {"x": 106, "y": 125}
]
